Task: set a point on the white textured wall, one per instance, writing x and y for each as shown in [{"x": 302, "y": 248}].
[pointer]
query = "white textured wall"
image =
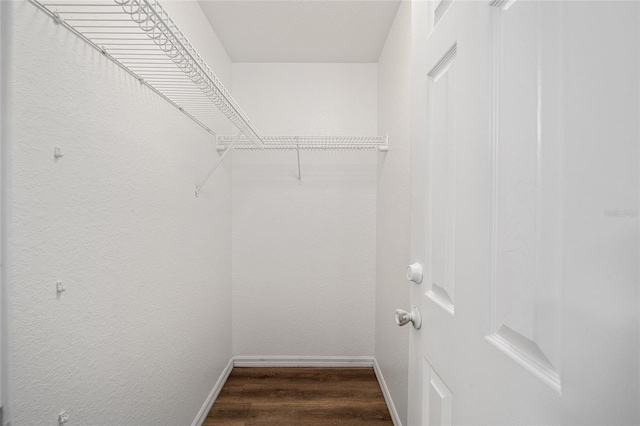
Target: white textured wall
[
  {"x": 304, "y": 254},
  {"x": 393, "y": 207},
  {"x": 143, "y": 330}
]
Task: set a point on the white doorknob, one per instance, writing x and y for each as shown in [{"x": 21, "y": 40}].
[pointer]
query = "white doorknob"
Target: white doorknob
[
  {"x": 403, "y": 317},
  {"x": 414, "y": 273}
]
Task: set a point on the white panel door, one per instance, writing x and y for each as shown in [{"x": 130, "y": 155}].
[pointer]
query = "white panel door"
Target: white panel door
[{"x": 524, "y": 191}]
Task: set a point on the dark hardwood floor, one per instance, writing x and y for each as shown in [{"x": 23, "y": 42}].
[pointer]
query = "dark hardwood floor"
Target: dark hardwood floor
[{"x": 300, "y": 397}]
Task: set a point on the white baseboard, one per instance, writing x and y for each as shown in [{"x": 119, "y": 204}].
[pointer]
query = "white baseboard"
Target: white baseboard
[
  {"x": 202, "y": 414},
  {"x": 387, "y": 395},
  {"x": 303, "y": 361}
]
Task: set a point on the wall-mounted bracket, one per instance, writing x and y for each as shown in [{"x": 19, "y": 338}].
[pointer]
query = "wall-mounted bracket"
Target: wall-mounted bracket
[
  {"x": 229, "y": 148},
  {"x": 385, "y": 146}
]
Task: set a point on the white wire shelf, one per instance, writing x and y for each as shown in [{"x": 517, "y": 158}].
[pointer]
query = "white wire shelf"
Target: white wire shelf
[
  {"x": 140, "y": 36},
  {"x": 308, "y": 143}
]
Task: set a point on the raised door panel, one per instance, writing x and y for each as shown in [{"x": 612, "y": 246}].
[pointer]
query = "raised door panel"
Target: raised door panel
[
  {"x": 526, "y": 231},
  {"x": 442, "y": 190},
  {"x": 438, "y": 399}
]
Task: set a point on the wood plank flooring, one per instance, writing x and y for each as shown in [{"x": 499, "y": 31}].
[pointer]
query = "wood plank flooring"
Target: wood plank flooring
[{"x": 301, "y": 396}]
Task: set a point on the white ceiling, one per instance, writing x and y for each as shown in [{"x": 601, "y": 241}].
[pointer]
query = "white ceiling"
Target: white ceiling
[{"x": 301, "y": 30}]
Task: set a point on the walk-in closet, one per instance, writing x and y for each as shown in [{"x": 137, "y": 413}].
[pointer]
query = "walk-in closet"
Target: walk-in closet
[{"x": 438, "y": 197}]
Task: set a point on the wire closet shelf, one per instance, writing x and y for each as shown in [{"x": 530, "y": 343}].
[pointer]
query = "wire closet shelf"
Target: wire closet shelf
[
  {"x": 140, "y": 36},
  {"x": 307, "y": 143}
]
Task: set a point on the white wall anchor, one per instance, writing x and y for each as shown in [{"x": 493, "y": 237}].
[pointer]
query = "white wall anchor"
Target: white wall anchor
[
  {"x": 63, "y": 417},
  {"x": 60, "y": 287},
  {"x": 57, "y": 152}
]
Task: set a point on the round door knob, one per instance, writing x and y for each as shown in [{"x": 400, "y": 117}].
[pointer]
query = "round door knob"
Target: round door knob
[
  {"x": 403, "y": 317},
  {"x": 414, "y": 273}
]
